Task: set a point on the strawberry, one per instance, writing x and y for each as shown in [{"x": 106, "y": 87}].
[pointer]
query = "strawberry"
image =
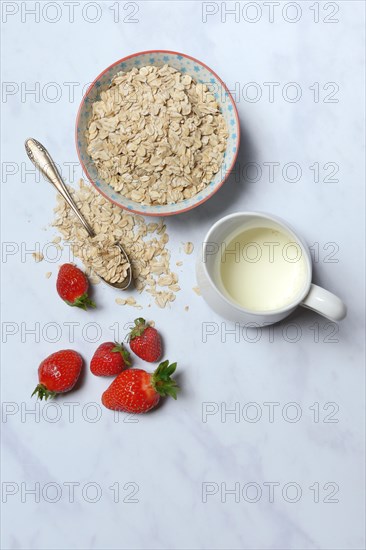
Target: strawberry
[
  {"x": 72, "y": 286},
  {"x": 138, "y": 391},
  {"x": 110, "y": 358},
  {"x": 58, "y": 373},
  {"x": 145, "y": 341}
]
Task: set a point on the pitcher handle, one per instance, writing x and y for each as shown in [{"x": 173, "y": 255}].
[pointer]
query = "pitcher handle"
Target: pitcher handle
[{"x": 324, "y": 302}]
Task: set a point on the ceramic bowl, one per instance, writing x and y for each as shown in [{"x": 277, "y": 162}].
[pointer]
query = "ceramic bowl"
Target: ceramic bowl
[{"x": 201, "y": 73}]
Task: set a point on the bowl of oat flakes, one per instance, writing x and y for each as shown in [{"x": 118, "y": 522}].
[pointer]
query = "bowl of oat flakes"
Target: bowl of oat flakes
[{"x": 157, "y": 133}]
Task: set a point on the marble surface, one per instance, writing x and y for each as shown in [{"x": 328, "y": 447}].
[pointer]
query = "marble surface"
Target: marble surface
[{"x": 285, "y": 470}]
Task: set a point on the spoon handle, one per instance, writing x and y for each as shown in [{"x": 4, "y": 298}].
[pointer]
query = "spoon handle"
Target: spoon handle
[{"x": 43, "y": 161}]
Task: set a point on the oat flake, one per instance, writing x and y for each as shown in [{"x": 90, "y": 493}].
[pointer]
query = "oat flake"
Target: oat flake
[
  {"x": 156, "y": 136},
  {"x": 143, "y": 243},
  {"x": 38, "y": 256}
]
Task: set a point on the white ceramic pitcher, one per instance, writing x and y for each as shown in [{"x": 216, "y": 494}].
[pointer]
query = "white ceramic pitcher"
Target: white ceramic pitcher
[{"x": 309, "y": 296}]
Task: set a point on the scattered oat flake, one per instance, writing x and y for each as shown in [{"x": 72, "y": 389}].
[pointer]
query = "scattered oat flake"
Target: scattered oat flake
[
  {"x": 175, "y": 287},
  {"x": 179, "y": 264},
  {"x": 197, "y": 290},
  {"x": 151, "y": 323},
  {"x": 56, "y": 240},
  {"x": 128, "y": 302},
  {"x": 161, "y": 229},
  {"x": 38, "y": 256},
  {"x": 132, "y": 302},
  {"x": 48, "y": 274},
  {"x": 145, "y": 244},
  {"x": 188, "y": 248},
  {"x": 94, "y": 279},
  {"x": 165, "y": 280}
]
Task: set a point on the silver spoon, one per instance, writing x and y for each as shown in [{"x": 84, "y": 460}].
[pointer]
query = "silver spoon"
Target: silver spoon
[{"x": 42, "y": 160}]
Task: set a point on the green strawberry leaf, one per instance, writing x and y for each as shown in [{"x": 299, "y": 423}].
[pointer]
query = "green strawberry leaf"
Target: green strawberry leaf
[
  {"x": 83, "y": 302},
  {"x": 161, "y": 381},
  {"x": 119, "y": 348},
  {"x": 138, "y": 329},
  {"x": 42, "y": 392}
]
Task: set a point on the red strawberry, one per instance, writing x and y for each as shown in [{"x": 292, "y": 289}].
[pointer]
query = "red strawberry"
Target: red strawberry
[
  {"x": 137, "y": 391},
  {"x": 58, "y": 373},
  {"x": 72, "y": 286},
  {"x": 145, "y": 341},
  {"x": 110, "y": 358}
]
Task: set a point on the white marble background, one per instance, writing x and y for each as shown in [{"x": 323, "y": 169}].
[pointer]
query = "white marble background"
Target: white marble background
[{"x": 171, "y": 453}]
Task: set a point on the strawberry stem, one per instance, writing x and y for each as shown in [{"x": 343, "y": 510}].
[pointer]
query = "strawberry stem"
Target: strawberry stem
[
  {"x": 119, "y": 348},
  {"x": 83, "y": 302},
  {"x": 138, "y": 329},
  {"x": 162, "y": 382},
  {"x": 43, "y": 392}
]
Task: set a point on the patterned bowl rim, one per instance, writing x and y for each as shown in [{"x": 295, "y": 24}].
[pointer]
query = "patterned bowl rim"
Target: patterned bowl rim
[{"x": 216, "y": 188}]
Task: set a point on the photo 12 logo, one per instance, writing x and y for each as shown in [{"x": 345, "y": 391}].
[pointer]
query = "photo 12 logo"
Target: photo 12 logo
[
  {"x": 70, "y": 492},
  {"x": 26, "y": 172},
  {"x": 253, "y": 251},
  {"x": 251, "y": 333},
  {"x": 270, "y": 12},
  {"x": 269, "y": 491},
  {"x": 291, "y": 172},
  {"x": 70, "y": 412},
  {"x": 68, "y": 331},
  {"x": 71, "y": 12},
  {"x": 269, "y": 411},
  {"x": 277, "y": 92}
]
